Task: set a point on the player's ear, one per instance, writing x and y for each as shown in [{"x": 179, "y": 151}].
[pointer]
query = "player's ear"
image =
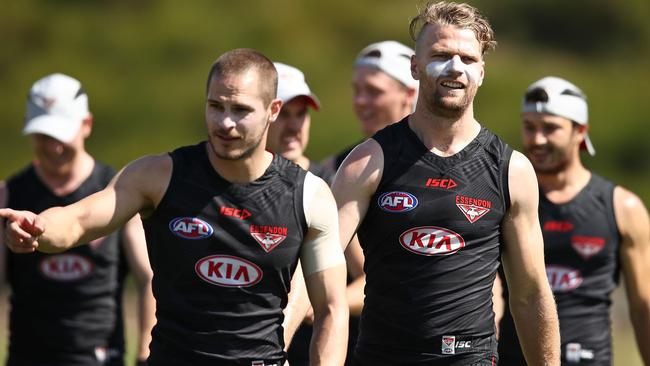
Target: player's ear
[
  {"x": 274, "y": 109},
  {"x": 87, "y": 125},
  {"x": 414, "y": 68}
]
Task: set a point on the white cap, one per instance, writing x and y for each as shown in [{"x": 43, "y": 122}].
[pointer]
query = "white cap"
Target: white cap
[
  {"x": 56, "y": 106},
  {"x": 292, "y": 84},
  {"x": 559, "y": 97},
  {"x": 391, "y": 57}
]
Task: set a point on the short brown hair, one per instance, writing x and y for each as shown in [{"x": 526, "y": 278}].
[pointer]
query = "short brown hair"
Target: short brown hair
[
  {"x": 241, "y": 60},
  {"x": 460, "y": 15}
]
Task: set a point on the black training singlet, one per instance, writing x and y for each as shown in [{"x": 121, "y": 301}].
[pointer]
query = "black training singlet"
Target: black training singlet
[
  {"x": 62, "y": 305},
  {"x": 581, "y": 246},
  {"x": 431, "y": 239},
  {"x": 223, "y": 255}
]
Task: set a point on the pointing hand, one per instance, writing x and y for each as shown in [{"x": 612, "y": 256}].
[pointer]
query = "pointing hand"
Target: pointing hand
[{"x": 22, "y": 230}]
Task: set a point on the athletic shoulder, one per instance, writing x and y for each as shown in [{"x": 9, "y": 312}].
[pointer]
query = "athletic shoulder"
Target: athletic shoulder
[
  {"x": 630, "y": 211},
  {"x": 522, "y": 185}
]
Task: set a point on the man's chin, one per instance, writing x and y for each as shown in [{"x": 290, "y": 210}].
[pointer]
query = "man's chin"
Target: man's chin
[{"x": 546, "y": 169}]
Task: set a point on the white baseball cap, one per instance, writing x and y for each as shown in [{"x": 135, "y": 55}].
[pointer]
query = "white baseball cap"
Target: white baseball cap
[
  {"x": 292, "y": 84},
  {"x": 392, "y": 58},
  {"x": 56, "y": 106},
  {"x": 559, "y": 97}
]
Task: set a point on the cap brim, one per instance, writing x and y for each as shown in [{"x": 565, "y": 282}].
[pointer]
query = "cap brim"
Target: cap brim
[
  {"x": 311, "y": 99},
  {"x": 588, "y": 146},
  {"x": 62, "y": 129}
]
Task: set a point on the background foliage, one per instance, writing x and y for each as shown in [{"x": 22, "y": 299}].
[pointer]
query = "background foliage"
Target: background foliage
[{"x": 144, "y": 63}]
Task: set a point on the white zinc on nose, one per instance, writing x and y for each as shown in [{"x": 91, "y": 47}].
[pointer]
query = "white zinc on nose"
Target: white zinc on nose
[{"x": 454, "y": 64}]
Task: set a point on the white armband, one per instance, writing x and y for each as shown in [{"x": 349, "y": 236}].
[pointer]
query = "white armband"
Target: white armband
[{"x": 321, "y": 248}]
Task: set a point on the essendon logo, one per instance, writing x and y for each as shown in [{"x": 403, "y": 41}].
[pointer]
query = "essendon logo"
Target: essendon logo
[
  {"x": 473, "y": 208},
  {"x": 446, "y": 183},
  {"x": 431, "y": 240},
  {"x": 587, "y": 246},
  {"x": 558, "y": 226},
  {"x": 228, "y": 271},
  {"x": 268, "y": 237},
  {"x": 190, "y": 228},
  {"x": 66, "y": 267},
  {"x": 448, "y": 345},
  {"x": 563, "y": 279},
  {"x": 397, "y": 201}
]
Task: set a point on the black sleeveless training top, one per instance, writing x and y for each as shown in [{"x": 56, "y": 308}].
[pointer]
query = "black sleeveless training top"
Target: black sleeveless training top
[
  {"x": 223, "y": 255},
  {"x": 431, "y": 239},
  {"x": 64, "y": 303},
  {"x": 581, "y": 246}
]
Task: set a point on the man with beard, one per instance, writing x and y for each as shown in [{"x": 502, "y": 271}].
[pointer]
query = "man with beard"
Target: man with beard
[
  {"x": 590, "y": 225},
  {"x": 437, "y": 198},
  {"x": 226, "y": 222}
]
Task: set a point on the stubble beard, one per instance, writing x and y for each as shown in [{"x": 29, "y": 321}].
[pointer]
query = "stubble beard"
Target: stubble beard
[
  {"x": 558, "y": 163},
  {"x": 452, "y": 110},
  {"x": 232, "y": 156}
]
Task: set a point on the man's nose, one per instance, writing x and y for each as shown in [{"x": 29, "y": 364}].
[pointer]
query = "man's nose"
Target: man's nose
[{"x": 455, "y": 65}]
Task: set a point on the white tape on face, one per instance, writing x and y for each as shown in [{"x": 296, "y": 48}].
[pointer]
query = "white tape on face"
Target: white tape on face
[{"x": 455, "y": 64}]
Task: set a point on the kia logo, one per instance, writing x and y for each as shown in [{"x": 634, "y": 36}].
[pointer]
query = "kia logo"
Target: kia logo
[
  {"x": 66, "y": 267},
  {"x": 563, "y": 279},
  {"x": 397, "y": 201},
  {"x": 431, "y": 240},
  {"x": 190, "y": 228},
  {"x": 228, "y": 271}
]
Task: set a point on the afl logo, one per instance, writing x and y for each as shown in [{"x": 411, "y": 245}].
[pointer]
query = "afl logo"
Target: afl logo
[
  {"x": 190, "y": 228},
  {"x": 563, "y": 279},
  {"x": 66, "y": 267},
  {"x": 431, "y": 240},
  {"x": 228, "y": 271},
  {"x": 397, "y": 201}
]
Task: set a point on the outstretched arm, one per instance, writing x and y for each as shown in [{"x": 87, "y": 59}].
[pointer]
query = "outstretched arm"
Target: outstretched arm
[
  {"x": 59, "y": 228},
  {"x": 531, "y": 300},
  {"x": 323, "y": 265},
  {"x": 135, "y": 248},
  {"x": 634, "y": 227}
]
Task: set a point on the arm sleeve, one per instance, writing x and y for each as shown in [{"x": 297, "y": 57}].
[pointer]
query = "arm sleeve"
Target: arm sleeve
[{"x": 322, "y": 247}]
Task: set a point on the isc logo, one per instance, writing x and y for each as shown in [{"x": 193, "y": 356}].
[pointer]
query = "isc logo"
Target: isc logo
[
  {"x": 431, "y": 240},
  {"x": 66, "y": 267},
  {"x": 441, "y": 183},
  {"x": 235, "y": 212},
  {"x": 190, "y": 228},
  {"x": 397, "y": 201},
  {"x": 563, "y": 279},
  {"x": 228, "y": 271}
]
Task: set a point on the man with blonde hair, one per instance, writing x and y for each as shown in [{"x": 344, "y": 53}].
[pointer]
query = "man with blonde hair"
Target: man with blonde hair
[{"x": 435, "y": 200}]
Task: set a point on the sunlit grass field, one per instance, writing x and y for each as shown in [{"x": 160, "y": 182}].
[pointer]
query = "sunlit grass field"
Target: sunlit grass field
[{"x": 625, "y": 350}]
